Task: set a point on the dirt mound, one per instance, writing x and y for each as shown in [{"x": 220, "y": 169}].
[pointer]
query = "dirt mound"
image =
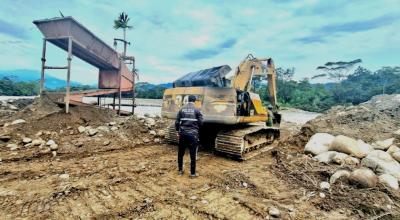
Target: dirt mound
[{"x": 373, "y": 120}]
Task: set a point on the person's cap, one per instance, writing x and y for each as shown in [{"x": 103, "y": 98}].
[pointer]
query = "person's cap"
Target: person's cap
[{"x": 192, "y": 98}]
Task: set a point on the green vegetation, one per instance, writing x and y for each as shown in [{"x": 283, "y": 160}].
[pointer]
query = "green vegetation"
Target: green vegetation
[
  {"x": 358, "y": 87},
  {"x": 11, "y": 88}
]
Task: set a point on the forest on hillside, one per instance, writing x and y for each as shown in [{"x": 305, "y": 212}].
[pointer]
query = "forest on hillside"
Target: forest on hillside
[{"x": 352, "y": 89}]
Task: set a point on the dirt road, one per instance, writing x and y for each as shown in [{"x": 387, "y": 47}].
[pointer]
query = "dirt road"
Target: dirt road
[{"x": 123, "y": 171}]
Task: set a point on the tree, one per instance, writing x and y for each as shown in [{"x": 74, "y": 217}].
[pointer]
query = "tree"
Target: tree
[
  {"x": 122, "y": 23},
  {"x": 337, "y": 70}
]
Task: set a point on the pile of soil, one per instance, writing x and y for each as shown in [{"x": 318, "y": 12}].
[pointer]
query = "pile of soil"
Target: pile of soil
[{"x": 373, "y": 120}]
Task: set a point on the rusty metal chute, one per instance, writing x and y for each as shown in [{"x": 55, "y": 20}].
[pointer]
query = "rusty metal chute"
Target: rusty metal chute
[{"x": 71, "y": 36}]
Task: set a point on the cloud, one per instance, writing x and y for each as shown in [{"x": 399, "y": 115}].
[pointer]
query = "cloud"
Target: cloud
[
  {"x": 12, "y": 30},
  {"x": 318, "y": 35},
  {"x": 357, "y": 26},
  {"x": 310, "y": 39},
  {"x": 198, "y": 54}
]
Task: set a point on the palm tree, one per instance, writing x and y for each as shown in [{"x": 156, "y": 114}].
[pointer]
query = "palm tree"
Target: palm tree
[{"x": 122, "y": 22}]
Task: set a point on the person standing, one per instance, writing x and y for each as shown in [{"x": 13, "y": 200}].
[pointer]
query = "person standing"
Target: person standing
[{"x": 188, "y": 123}]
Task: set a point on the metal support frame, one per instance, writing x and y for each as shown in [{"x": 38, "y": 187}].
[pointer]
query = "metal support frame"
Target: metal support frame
[
  {"x": 43, "y": 67},
  {"x": 68, "y": 75}
]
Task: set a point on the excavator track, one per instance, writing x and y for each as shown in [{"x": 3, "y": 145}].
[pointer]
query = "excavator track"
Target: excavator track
[
  {"x": 246, "y": 142},
  {"x": 240, "y": 143}
]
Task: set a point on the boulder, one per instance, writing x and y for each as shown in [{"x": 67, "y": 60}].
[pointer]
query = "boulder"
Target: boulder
[
  {"x": 328, "y": 157},
  {"x": 339, "y": 175},
  {"x": 382, "y": 163},
  {"x": 92, "y": 132},
  {"x": 396, "y": 156},
  {"x": 363, "y": 177},
  {"x": 352, "y": 161},
  {"x": 112, "y": 123},
  {"x": 114, "y": 128},
  {"x": 383, "y": 145},
  {"x": 54, "y": 147},
  {"x": 274, "y": 212},
  {"x": 393, "y": 149},
  {"x": 152, "y": 132},
  {"x": 37, "y": 142},
  {"x": 350, "y": 146},
  {"x": 319, "y": 143},
  {"x": 81, "y": 129},
  {"x": 26, "y": 140},
  {"x": 389, "y": 181},
  {"x": 324, "y": 185},
  {"x": 106, "y": 143},
  {"x": 340, "y": 158},
  {"x": 5, "y": 138},
  {"x": 18, "y": 121},
  {"x": 103, "y": 128},
  {"x": 50, "y": 142},
  {"x": 150, "y": 122},
  {"x": 12, "y": 146}
]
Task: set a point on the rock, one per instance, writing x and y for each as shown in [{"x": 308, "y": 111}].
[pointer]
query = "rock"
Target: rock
[
  {"x": 106, "y": 143},
  {"x": 112, "y": 123},
  {"x": 382, "y": 163},
  {"x": 389, "y": 181},
  {"x": 319, "y": 143},
  {"x": 81, "y": 129},
  {"x": 12, "y": 107},
  {"x": 327, "y": 157},
  {"x": 383, "y": 145},
  {"x": 322, "y": 195},
  {"x": 205, "y": 202},
  {"x": 157, "y": 140},
  {"x": 39, "y": 133},
  {"x": 339, "y": 175},
  {"x": 54, "y": 153},
  {"x": 396, "y": 156},
  {"x": 193, "y": 197},
  {"x": 274, "y": 212},
  {"x": 114, "y": 128},
  {"x": 363, "y": 177},
  {"x": 340, "y": 158},
  {"x": 12, "y": 146},
  {"x": 6, "y": 124},
  {"x": 152, "y": 132},
  {"x": 50, "y": 142},
  {"x": 393, "y": 149},
  {"x": 37, "y": 142},
  {"x": 350, "y": 146},
  {"x": 352, "y": 161},
  {"x": 244, "y": 184},
  {"x": 161, "y": 133},
  {"x": 18, "y": 121},
  {"x": 54, "y": 147},
  {"x": 103, "y": 128},
  {"x": 28, "y": 145},
  {"x": 5, "y": 138},
  {"x": 324, "y": 185},
  {"x": 150, "y": 122},
  {"x": 148, "y": 200},
  {"x": 146, "y": 140},
  {"x": 92, "y": 132},
  {"x": 26, "y": 140},
  {"x": 78, "y": 144},
  {"x": 64, "y": 176}
]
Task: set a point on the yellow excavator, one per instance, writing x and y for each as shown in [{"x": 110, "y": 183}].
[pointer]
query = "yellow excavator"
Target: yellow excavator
[{"x": 235, "y": 121}]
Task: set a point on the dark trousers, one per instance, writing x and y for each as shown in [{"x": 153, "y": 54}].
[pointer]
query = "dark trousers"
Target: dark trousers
[{"x": 190, "y": 141}]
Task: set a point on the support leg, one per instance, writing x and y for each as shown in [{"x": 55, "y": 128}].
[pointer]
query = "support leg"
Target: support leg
[
  {"x": 68, "y": 75},
  {"x": 41, "y": 90}
]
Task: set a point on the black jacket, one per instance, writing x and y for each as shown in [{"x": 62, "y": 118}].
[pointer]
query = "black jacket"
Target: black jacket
[{"x": 189, "y": 120}]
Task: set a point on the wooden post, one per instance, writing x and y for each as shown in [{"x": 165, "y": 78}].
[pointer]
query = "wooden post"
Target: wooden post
[
  {"x": 98, "y": 101},
  {"x": 41, "y": 90},
  {"x": 68, "y": 74}
]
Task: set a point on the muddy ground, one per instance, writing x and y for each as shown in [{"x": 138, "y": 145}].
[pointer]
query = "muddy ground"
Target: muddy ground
[{"x": 128, "y": 172}]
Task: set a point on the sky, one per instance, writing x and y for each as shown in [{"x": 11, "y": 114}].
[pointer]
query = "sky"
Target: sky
[{"x": 171, "y": 38}]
